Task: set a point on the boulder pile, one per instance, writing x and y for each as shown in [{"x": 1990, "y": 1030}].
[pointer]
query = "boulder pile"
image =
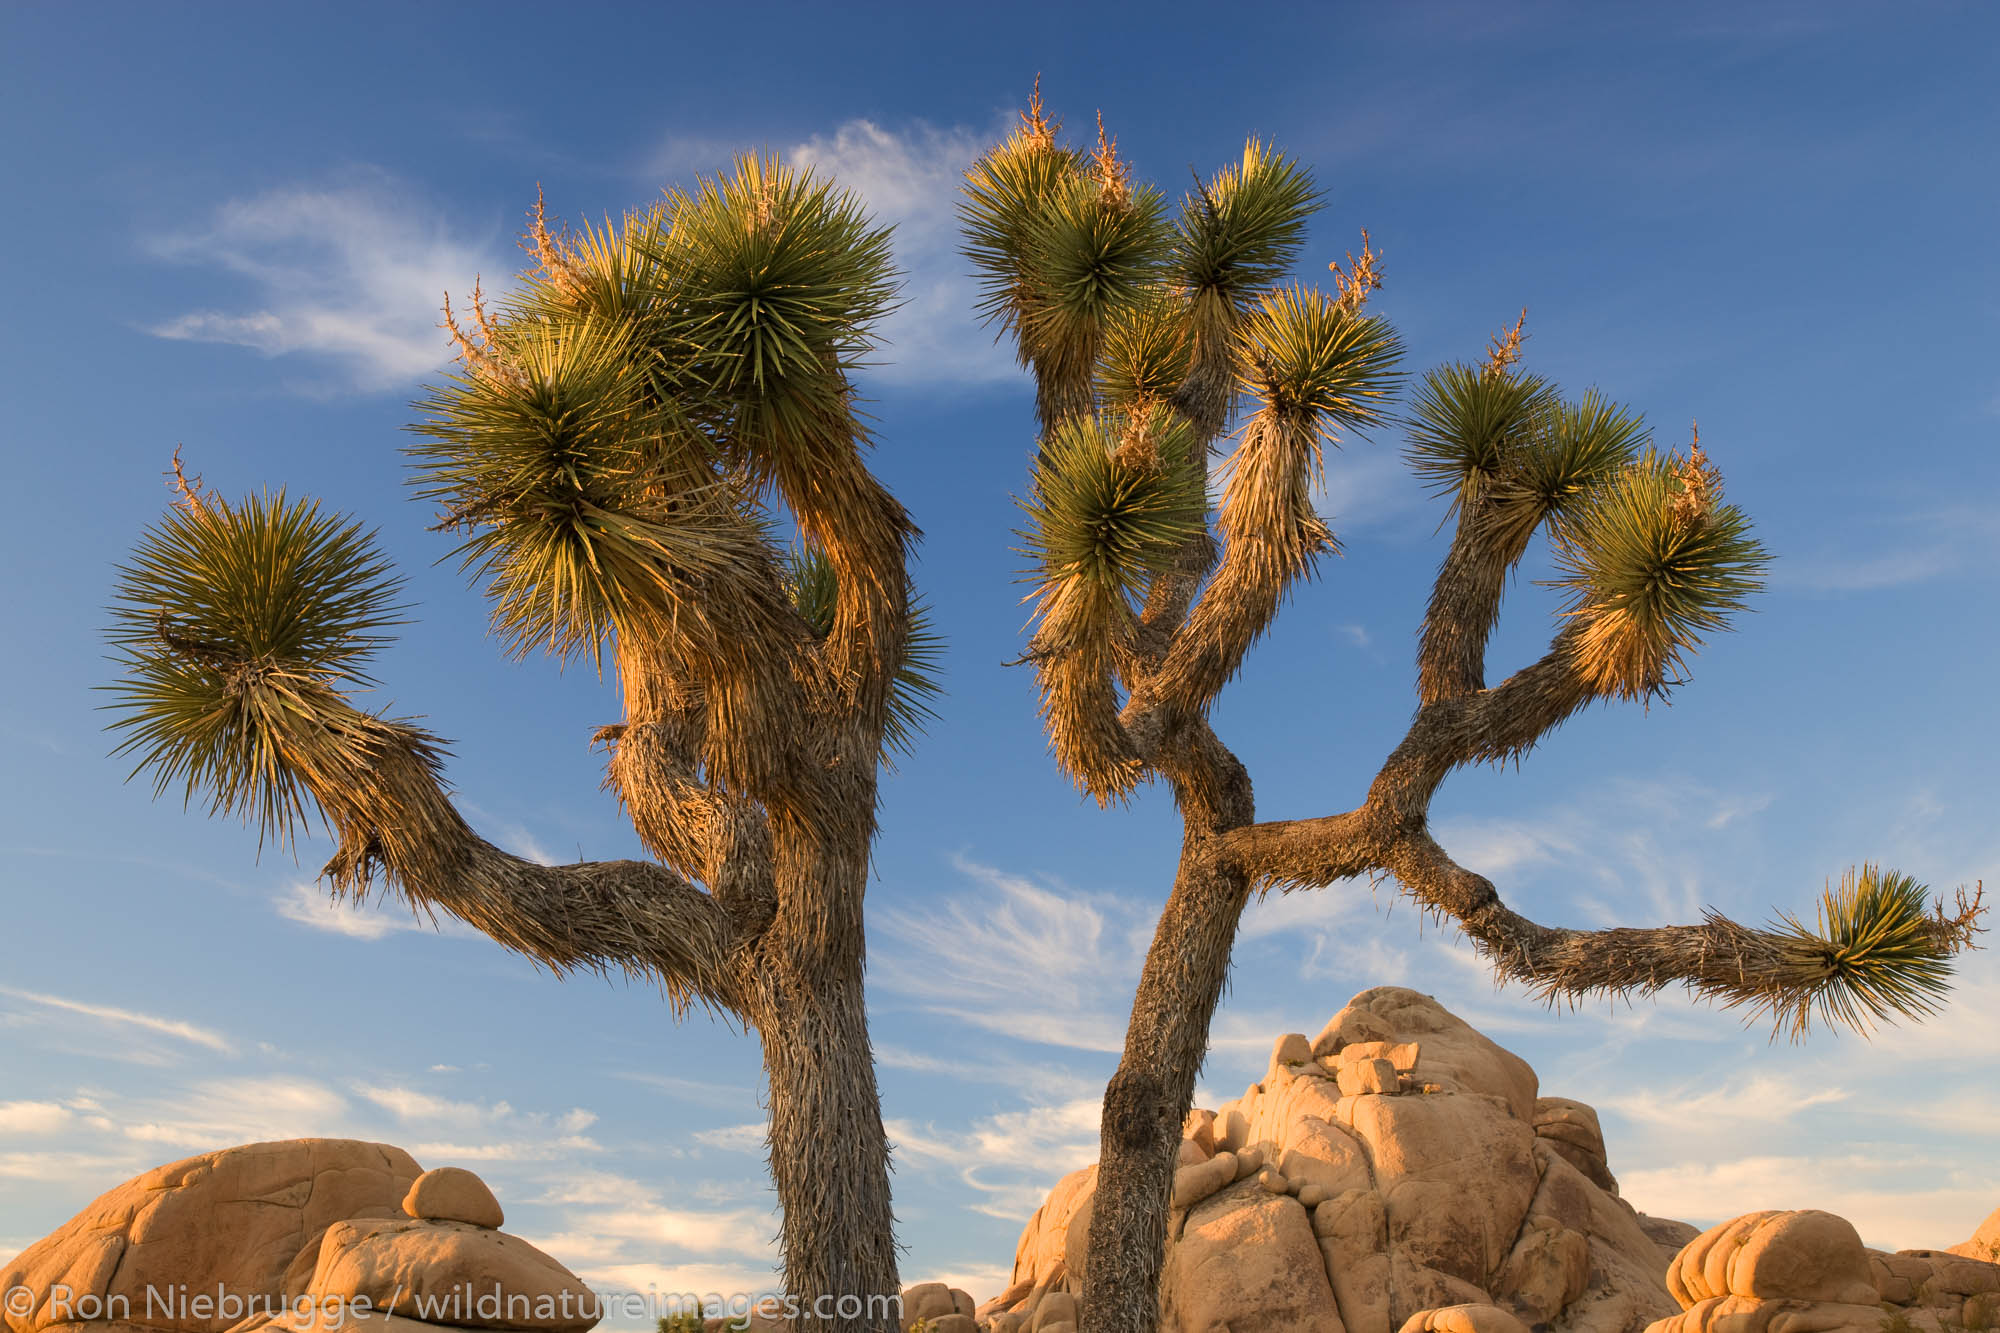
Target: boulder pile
[
  {"x": 1807, "y": 1272},
  {"x": 1399, "y": 1171},
  {"x": 289, "y": 1237}
]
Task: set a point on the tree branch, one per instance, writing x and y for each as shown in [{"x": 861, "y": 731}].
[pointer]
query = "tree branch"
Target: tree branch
[{"x": 395, "y": 820}]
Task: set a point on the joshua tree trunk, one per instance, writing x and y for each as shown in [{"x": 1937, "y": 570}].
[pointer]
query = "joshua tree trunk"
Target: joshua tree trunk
[
  {"x": 1148, "y": 1099},
  {"x": 829, "y": 1155}
]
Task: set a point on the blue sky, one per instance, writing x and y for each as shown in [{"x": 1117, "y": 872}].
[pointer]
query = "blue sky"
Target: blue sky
[{"x": 231, "y": 231}]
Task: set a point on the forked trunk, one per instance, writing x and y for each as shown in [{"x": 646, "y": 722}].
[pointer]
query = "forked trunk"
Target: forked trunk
[
  {"x": 1148, "y": 1099},
  {"x": 829, "y": 1154}
]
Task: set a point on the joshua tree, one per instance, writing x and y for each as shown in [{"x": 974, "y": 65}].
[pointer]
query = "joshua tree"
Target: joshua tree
[
  {"x": 1147, "y": 335},
  {"x": 618, "y": 446}
]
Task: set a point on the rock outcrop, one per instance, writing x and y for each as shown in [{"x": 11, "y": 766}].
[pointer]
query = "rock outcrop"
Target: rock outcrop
[
  {"x": 1983, "y": 1243},
  {"x": 289, "y": 1237},
  {"x": 1398, "y": 1172},
  {"x": 1808, "y": 1272}
]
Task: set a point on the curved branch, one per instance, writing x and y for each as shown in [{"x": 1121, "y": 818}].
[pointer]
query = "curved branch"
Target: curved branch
[
  {"x": 1789, "y": 973},
  {"x": 1272, "y": 536},
  {"x": 696, "y": 829},
  {"x": 1465, "y": 605},
  {"x": 395, "y": 821}
]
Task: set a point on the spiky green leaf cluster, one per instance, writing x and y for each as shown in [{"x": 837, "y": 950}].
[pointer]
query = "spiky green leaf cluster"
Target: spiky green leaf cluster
[
  {"x": 588, "y": 506},
  {"x": 1310, "y": 359},
  {"x": 1647, "y": 574},
  {"x": 1114, "y": 498},
  {"x": 1469, "y": 426},
  {"x": 774, "y": 277},
  {"x": 1875, "y": 954},
  {"x": 1241, "y": 231},
  {"x": 240, "y": 629},
  {"x": 1148, "y": 350},
  {"x": 1007, "y": 192}
]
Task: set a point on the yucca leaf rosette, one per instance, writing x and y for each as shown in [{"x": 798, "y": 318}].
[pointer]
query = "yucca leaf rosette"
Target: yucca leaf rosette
[
  {"x": 584, "y": 510},
  {"x": 1115, "y": 497},
  {"x": 241, "y": 629},
  {"x": 1651, "y": 562}
]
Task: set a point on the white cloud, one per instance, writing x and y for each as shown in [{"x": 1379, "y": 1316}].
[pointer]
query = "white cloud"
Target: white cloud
[
  {"x": 220, "y": 1112},
  {"x": 351, "y": 272},
  {"x": 33, "y": 1117},
  {"x": 311, "y": 905},
  {"x": 1897, "y": 1199},
  {"x": 911, "y": 178},
  {"x": 734, "y": 1138},
  {"x": 1029, "y": 962},
  {"x": 1758, "y": 1100},
  {"x": 125, "y": 1018},
  {"x": 1010, "y": 1159},
  {"x": 1942, "y": 539}
]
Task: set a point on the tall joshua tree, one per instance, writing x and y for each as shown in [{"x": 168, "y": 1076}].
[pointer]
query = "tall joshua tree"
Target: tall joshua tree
[
  {"x": 1159, "y": 339},
  {"x": 617, "y": 448}
]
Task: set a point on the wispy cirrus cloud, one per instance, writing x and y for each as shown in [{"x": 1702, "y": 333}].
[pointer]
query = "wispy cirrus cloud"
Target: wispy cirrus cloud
[
  {"x": 346, "y": 273},
  {"x": 968, "y": 957},
  {"x": 1916, "y": 547},
  {"x": 127, "y": 1019}
]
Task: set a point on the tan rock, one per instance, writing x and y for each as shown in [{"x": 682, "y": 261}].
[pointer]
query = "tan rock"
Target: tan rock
[
  {"x": 1076, "y": 1240},
  {"x": 1200, "y": 1128},
  {"x": 453, "y": 1194},
  {"x": 1984, "y": 1243},
  {"x": 451, "y": 1273},
  {"x": 232, "y": 1222},
  {"x": 1456, "y": 1175},
  {"x": 1572, "y": 1128},
  {"x": 1290, "y": 1051},
  {"x": 329, "y": 1319},
  {"x": 926, "y": 1300},
  {"x": 1463, "y": 1319},
  {"x": 1194, "y": 1183},
  {"x": 1795, "y": 1256},
  {"x": 1413, "y": 1202},
  {"x": 1057, "y": 1308},
  {"x": 1666, "y": 1233},
  {"x": 1548, "y": 1268},
  {"x": 1189, "y": 1153},
  {"x": 1401, "y": 1054},
  {"x": 1354, "y": 1242},
  {"x": 1248, "y": 1263},
  {"x": 1748, "y": 1314},
  {"x": 1363, "y": 1078},
  {"x": 952, "y": 1323},
  {"x": 1451, "y": 1053},
  {"x": 1232, "y": 1128}
]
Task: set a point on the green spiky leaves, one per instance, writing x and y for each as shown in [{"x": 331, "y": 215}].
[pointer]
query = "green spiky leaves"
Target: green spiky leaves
[
  {"x": 1880, "y": 950},
  {"x": 1468, "y": 426},
  {"x": 587, "y": 507},
  {"x": 776, "y": 277},
  {"x": 1007, "y": 192},
  {"x": 1652, "y": 561},
  {"x": 1310, "y": 359},
  {"x": 1241, "y": 232},
  {"x": 240, "y": 628},
  {"x": 1148, "y": 351},
  {"x": 1114, "y": 498}
]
